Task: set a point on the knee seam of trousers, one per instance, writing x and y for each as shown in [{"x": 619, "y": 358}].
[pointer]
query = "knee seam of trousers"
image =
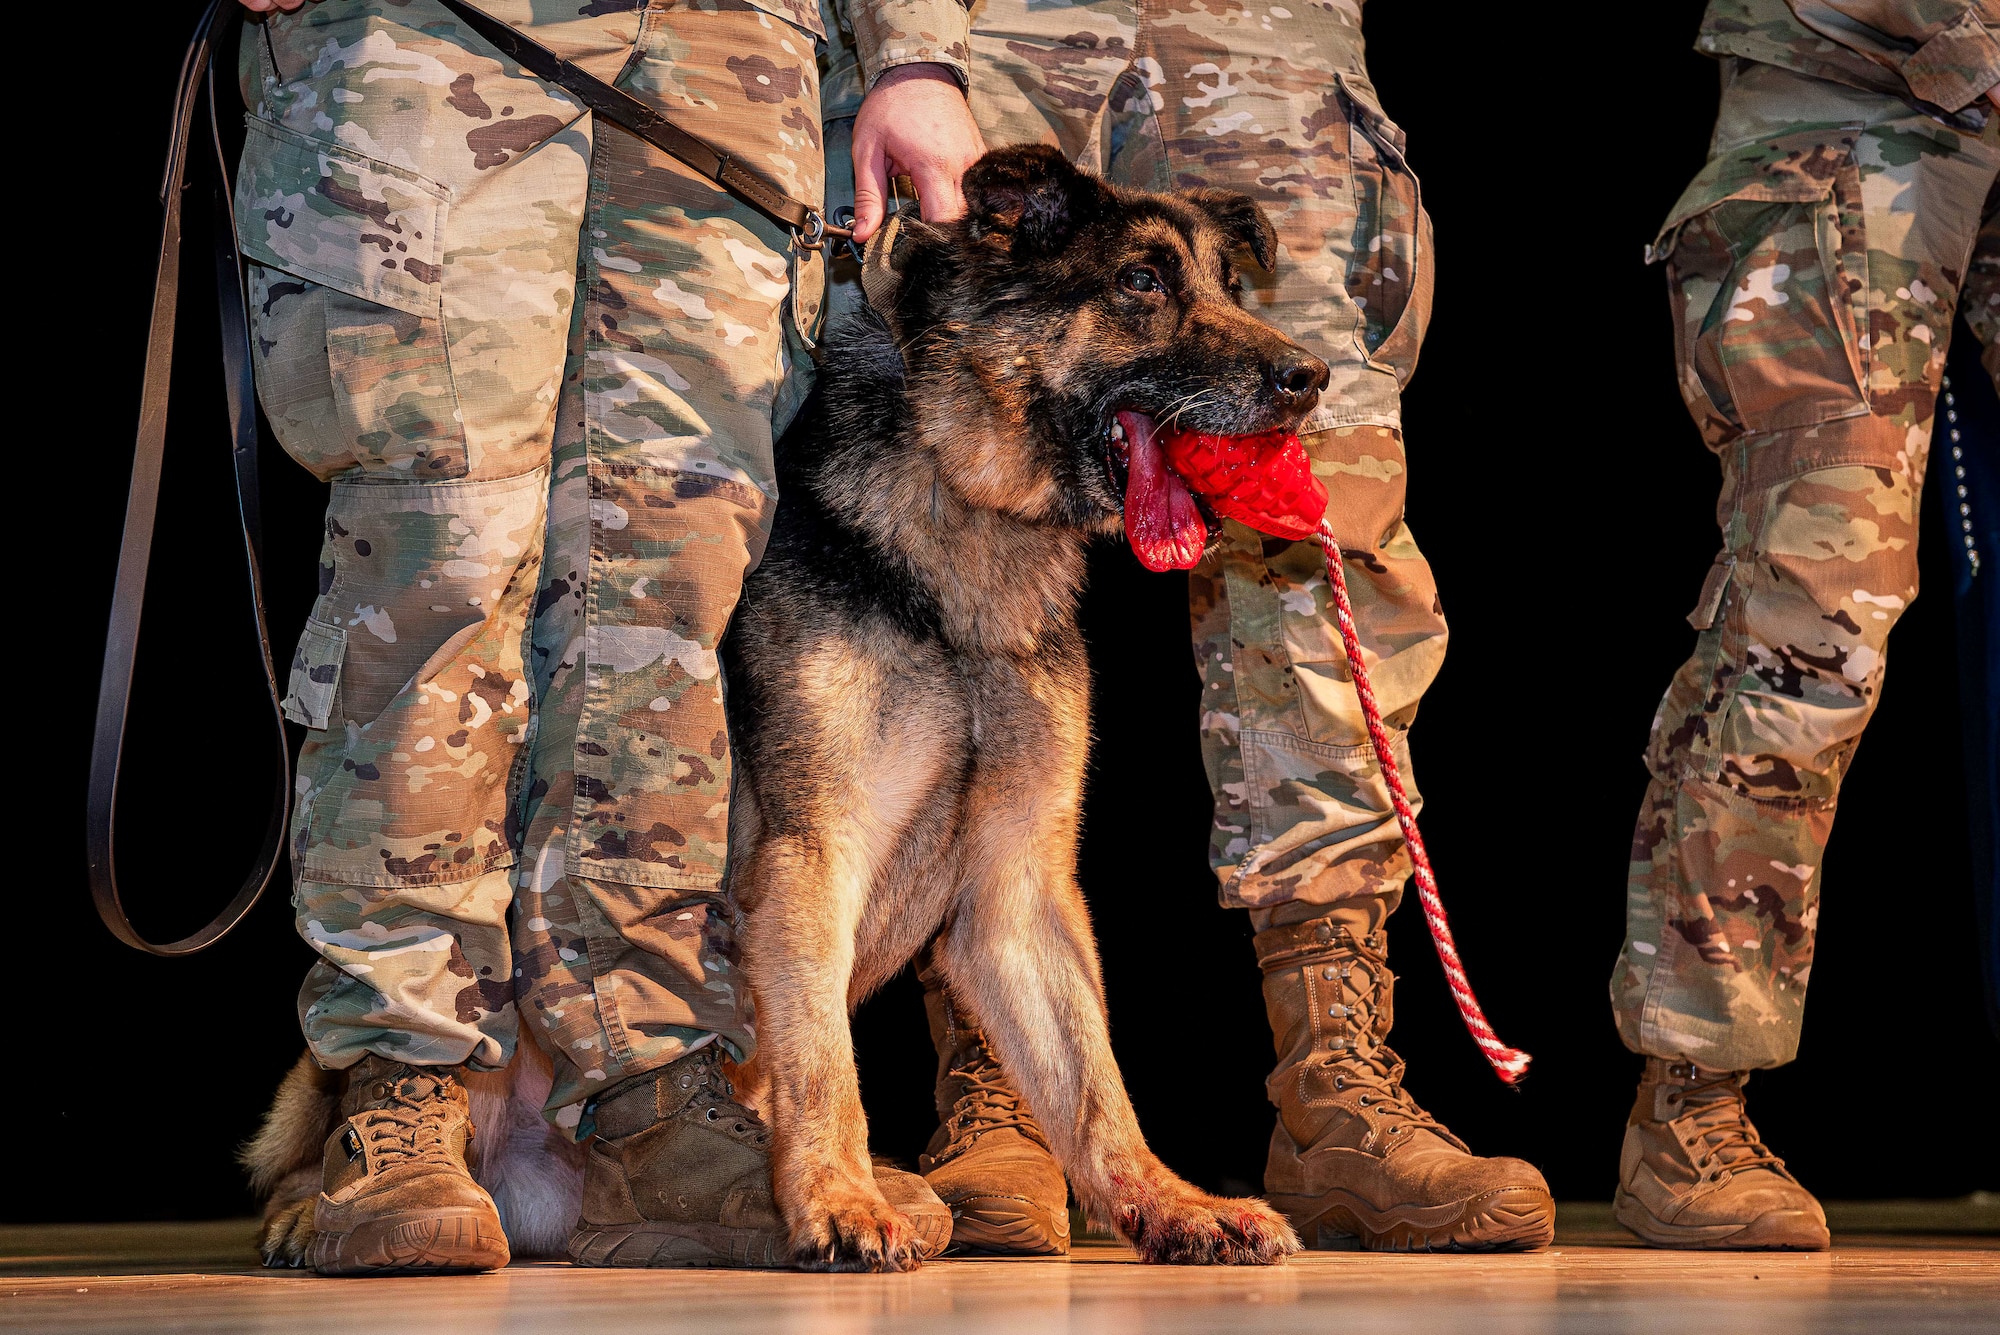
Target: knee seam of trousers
[
  {"x": 1679, "y": 776},
  {"x": 385, "y": 479},
  {"x": 1763, "y": 460}
]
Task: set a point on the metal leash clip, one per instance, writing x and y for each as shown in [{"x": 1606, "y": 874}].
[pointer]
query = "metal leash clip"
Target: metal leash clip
[
  {"x": 817, "y": 229},
  {"x": 843, "y": 218},
  {"x": 813, "y": 235}
]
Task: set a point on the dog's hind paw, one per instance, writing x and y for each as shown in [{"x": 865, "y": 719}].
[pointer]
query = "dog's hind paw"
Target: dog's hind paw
[
  {"x": 1190, "y": 1227},
  {"x": 286, "y": 1237},
  {"x": 853, "y": 1229}
]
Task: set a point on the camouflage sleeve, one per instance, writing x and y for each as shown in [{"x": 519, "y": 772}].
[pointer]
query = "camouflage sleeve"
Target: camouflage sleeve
[
  {"x": 889, "y": 33},
  {"x": 1947, "y": 51}
]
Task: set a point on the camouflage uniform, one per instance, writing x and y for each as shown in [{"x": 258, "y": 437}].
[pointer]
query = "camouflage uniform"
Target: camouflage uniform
[
  {"x": 1815, "y": 265},
  {"x": 1275, "y": 102},
  {"x": 515, "y": 782}
]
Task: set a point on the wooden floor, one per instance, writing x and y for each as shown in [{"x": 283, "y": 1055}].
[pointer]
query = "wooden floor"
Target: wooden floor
[{"x": 1896, "y": 1269}]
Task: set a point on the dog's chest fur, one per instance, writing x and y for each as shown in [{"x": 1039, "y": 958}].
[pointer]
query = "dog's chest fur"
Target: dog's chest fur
[
  {"x": 875, "y": 517},
  {"x": 900, "y": 650}
]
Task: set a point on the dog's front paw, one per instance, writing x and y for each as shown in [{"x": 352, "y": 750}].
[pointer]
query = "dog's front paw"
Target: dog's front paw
[
  {"x": 853, "y": 1228},
  {"x": 1175, "y": 1224},
  {"x": 286, "y": 1236}
]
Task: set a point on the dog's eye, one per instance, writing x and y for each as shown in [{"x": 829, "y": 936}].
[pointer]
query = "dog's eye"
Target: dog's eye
[{"x": 1140, "y": 278}]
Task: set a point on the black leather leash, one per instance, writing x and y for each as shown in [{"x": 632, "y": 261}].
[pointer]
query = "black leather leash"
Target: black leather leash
[
  {"x": 808, "y": 224},
  {"x": 114, "y": 689}
]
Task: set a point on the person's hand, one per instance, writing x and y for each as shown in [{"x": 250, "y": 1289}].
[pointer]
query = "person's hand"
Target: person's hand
[
  {"x": 1993, "y": 95},
  {"x": 913, "y": 123},
  {"x": 266, "y": 6}
]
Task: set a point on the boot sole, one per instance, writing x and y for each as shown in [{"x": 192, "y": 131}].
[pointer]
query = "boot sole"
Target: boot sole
[
  {"x": 1508, "y": 1219},
  {"x": 933, "y": 1230},
  {"x": 1772, "y": 1231},
  {"x": 930, "y": 1218},
  {"x": 415, "y": 1242},
  {"x": 653, "y": 1245},
  {"x": 1010, "y": 1226}
]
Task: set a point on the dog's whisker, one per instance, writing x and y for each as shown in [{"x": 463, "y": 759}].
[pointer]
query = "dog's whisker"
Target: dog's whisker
[{"x": 1172, "y": 413}]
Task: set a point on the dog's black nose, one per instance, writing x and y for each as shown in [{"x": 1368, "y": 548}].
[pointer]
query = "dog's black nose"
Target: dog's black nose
[{"x": 1296, "y": 375}]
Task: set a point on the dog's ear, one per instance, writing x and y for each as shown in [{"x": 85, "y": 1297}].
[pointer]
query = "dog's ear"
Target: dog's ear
[
  {"x": 1241, "y": 220},
  {"x": 1031, "y": 194}
]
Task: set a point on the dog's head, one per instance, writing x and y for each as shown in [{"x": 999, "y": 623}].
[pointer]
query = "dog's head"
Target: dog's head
[{"x": 1063, "y": 314}]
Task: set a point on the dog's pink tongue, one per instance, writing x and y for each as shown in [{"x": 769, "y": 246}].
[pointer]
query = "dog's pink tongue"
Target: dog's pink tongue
[{"x": 1165, "y": 529}]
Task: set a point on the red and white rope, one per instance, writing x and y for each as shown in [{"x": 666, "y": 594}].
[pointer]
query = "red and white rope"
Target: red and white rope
[{"x": 1510, "y": 1064}]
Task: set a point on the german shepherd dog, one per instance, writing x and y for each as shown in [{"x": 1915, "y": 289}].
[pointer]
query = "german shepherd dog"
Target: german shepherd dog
[
  {"x": 909, "y": 697},
  {"x": 908, "y": 686}
]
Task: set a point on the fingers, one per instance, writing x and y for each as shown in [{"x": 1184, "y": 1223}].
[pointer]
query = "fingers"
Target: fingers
[
  {"x": 871, "y": 185},
  {"x": 938, "y": 192},
  {"x": 938, "y": 178},
  {"x": 916, "y": 121}
]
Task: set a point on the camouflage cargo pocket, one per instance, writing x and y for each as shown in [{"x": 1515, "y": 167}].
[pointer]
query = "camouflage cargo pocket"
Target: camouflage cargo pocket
[
  {"x": 428, "y": 591},
  {"x": 1389, "y": 273},
  {"x": 346, "y": 296},
  {"x": 315, "y": 675},
  {"x": 1305, "y": 798},
  {"x": 1830, "y": 565},
  {"x": 1767, "y": 266}
]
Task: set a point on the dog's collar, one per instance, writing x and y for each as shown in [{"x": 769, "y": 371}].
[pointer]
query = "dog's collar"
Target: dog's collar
[{"x": 879, "y": 277}]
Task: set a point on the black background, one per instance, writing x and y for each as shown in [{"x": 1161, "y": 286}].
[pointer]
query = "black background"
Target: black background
[{"x": 1556, "y": 485}]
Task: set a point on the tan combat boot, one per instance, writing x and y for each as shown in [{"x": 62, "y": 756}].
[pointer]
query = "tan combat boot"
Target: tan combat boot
[
  {"x": 397, "y": 1196},
  {"x": 1353, "y": 1156},
  {"x": 1694, "y": 1173},
  {"x": 679, "y": 1175},
  {"x": 989, "y": 1160}
]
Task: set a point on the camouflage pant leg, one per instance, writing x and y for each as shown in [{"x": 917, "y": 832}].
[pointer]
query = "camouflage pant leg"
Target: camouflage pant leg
[
  {"x": 1814, "y": 267},
  {"x": 684, "y": 363},
  {"x": 411, "y": 206},
  {"x": 1279, "y": 107}
]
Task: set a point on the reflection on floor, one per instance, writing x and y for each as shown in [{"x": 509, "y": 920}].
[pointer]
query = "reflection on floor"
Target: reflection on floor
[{"x": 1896, "y": 1267}]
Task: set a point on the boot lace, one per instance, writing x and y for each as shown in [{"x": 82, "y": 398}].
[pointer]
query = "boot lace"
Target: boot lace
[
  {"x": 407, "y": 1125},
  {"x": 1361, "y": 1062},
  {"x": 1379, "y": 1071},
  {"x": 1725, "y": 1140},
  {"x": 985, "y": 1100},
  {"x": 715, "y": 1097}
]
